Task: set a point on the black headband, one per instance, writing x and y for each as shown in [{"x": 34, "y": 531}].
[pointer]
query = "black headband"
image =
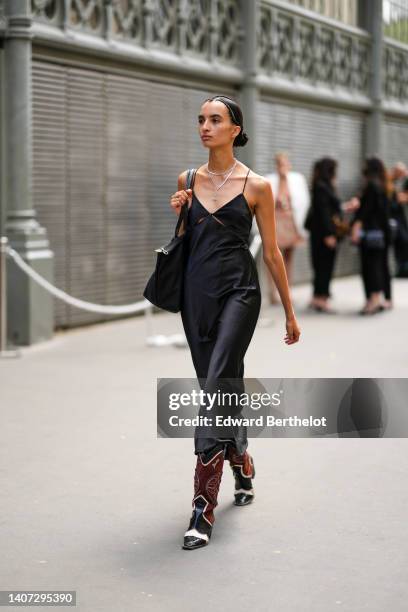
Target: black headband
[{"x": 222, "y": 99}]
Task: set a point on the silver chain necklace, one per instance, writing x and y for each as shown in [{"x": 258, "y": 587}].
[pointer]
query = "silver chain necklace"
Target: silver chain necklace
[
  {"x": 220, "y": 173},
  {"x": 218, "y": 187}
]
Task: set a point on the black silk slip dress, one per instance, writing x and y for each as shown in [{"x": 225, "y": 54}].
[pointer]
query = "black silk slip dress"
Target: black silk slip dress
[{"x": 220, "y": 309}]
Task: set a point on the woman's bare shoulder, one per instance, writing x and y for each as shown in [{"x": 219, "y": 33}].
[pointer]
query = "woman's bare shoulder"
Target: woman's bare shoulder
[
  {"x": 259, "y": 185},
  {"x": 182, "y": 177},
  {"x": 181, "y": 181}
]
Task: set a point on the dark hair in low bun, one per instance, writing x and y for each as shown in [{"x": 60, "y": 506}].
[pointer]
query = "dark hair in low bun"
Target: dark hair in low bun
[
  {"x": 236, "y": 116},
  {"x": 241, "y": 139}
]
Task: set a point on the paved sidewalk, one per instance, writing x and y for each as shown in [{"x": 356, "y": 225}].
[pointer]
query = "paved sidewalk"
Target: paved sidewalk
[{"x": 93, "y": 502}]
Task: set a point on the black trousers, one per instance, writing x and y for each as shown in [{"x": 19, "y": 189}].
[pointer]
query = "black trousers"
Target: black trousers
[
  {"x": 323, "y": 259},
  {"x": 375, "y": 271}
]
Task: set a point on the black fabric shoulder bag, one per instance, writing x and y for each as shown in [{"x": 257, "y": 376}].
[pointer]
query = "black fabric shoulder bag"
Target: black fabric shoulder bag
[{"x": 165, "y": 286}]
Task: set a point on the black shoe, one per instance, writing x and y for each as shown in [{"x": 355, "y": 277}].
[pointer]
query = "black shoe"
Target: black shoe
[
  {"x": 243, "y": 499},
  {"x": 199, "y": 529},
  {"x": 244, "y": 493},
  {"x": 195, "y": 540}
]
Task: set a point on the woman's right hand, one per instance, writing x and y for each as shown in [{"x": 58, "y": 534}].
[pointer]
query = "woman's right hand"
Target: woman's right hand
[
  {"x": 179, "y": 198},
  {"x": 330, "y": 241}
]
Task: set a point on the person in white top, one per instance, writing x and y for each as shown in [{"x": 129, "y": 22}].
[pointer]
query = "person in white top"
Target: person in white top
[{"x": 292, "y": 201}]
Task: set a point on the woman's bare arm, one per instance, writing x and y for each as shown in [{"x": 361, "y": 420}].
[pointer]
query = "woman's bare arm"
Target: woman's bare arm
[{"x": 265, "y": 218}]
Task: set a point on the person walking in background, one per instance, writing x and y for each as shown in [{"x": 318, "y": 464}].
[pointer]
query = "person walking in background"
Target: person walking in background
[
  {"x": 399, "y": 178},
  {"x": 371, "y": 231},
  {"x": 323, "y": 221},
  {"x": 291, "y": 204}
]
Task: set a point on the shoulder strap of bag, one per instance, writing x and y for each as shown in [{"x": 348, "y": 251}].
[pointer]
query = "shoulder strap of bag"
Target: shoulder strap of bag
[
  {"x": 184, "y": 209},
  {"x": 190, "y": 177}
]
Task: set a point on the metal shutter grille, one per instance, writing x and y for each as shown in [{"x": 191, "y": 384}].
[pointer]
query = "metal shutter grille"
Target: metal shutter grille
[
  {"x": 107, "y": 153},
  {"x": 307, "y": 133},
  {"x": 165, "y": 116},
  {"x": 50, "y": 167},
  {"x": 395, "y": 138},
  {"x": 128, "y": 247},
  {"x": 86, "y": 203}
]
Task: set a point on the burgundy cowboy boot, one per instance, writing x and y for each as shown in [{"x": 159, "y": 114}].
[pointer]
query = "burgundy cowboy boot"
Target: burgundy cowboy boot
[
  {"x": 243, "y": 469},
  {"x": 207, "y": 481}
]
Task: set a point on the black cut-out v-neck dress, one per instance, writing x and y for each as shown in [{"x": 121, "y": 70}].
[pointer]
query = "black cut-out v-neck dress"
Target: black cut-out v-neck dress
[{"x": 221, "y": 305}]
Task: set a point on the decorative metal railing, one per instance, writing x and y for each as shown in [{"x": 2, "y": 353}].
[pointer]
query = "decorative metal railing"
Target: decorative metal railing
[
  {"x": 292, "y": 44},
  {"x": 208, "y": 29},
  {"x": 395, "y": 71},
  {"x": 317, "y": 50}
]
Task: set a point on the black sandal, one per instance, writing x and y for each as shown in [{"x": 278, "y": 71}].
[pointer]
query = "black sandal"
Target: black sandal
[{"x": 317, "y": 308}]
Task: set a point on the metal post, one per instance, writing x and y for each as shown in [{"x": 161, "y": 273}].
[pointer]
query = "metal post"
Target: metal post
[
  {"x": 249, "y": 91},
  {"x": 371, "y": 18},
  {"x": 3, "y": 301}
]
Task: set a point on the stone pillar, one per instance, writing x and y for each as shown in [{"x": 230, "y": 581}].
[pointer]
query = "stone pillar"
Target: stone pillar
[
  {"x": 249, "y": 90},
  {"x": 371, "y": 18},
  {"x": 30, "y": 308}
]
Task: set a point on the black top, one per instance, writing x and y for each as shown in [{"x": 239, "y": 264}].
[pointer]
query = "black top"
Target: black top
[
  {"x": 397, "y": 212},
  {"x": 374, "y": 211},
  {"x": 325, "y": 204},
  {"x": 218, "y": 264}
]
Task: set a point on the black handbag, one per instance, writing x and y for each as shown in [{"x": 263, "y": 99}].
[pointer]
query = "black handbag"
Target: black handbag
[
  {"x": 373, "y": 239},
  {"x": 165, "y": 286}
]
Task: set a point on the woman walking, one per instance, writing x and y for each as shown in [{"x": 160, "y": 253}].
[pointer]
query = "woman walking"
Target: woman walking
[
  {"x": 371, "y": 231},
  {"x": 222, "y": 298}
]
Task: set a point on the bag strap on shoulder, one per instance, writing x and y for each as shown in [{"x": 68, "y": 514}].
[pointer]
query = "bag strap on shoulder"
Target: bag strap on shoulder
[
  {"x": 190, "y": 178},
  {"x": 191, "y": 172}
]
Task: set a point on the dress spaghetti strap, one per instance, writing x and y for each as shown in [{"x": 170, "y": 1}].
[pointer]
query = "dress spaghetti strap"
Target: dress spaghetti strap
[{"x": 246, "y": 180}]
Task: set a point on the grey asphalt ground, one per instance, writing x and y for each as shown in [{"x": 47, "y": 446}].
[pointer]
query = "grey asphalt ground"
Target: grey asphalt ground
[{"x": 92, "y": 501}]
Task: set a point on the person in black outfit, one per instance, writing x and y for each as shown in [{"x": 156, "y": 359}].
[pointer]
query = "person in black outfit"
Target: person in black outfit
[
  {"x": 323, "y": 241},
  {"x": 399, "y": 177},
  {"x": 221, "y": 299},
  {"x": 371, "y": 231}
]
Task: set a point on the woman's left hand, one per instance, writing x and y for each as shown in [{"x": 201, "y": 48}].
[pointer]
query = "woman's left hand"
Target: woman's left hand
[
  {"x": 352, "y": 205},
  {"x": 355, "y": 233},
  {"x": 292, "y": 331}
]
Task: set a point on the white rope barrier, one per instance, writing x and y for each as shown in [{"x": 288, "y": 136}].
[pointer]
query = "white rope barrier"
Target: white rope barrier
[
  {"x": 141, "y": 306},
  {"x": 77, "y": 303}
]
